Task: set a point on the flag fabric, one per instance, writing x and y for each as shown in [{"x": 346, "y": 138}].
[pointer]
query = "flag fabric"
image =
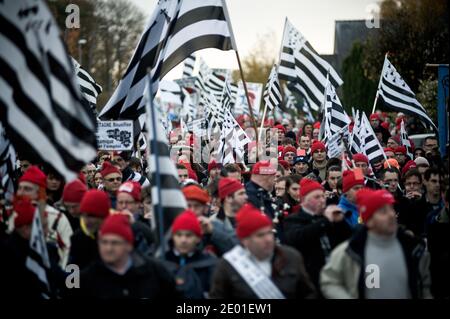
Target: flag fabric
[
  {"x": 7, "y": 165},
  {"x": 369, "y": 143},
  {"x": 230, "y": 92},
  {"x": 175, "y": 30},
  {"x": 188, "y": 110},
  {"x": 189, "y": 64},
  {"x": 272, "y": 92},
  {"x": 404, "y": 140},
  {"x": 396, "y": 95},
  {"x": 214, "y": 115},
  {"x": 37, "y": 260},
  {"x": 333, "y": 107},
  {"x": 355, "y": 142},
  {"x": 88, "y": 87},
  {"x": 45, "y": 117},
  {"x": 302, "y": 65}
]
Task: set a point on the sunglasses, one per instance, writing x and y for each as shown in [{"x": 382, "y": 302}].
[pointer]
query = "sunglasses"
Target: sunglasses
[{"x": 117, "y": 179}]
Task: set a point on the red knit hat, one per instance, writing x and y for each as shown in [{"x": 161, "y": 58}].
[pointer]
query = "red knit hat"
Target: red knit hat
[
  {"x": 369, "y": 201},
  {"x": 117, "y": 224},
  {"x": 316, "y": 125},
  {"x": 358, "y": 157},
  {"x": 374, "y": 116},
  {"x": 74, "y": 191},
  {"x": 409, "y": 165},
  {"x": 228, "y": 186},
  {"x": 391, "y": 162},
  {"x": 400, "y": 149},
  {"x": 308, "y": 185},
  {"x": 281, "y": 128},
  {"x": 213, "y": 164},
  {"x": 249, "y": 219},
  {"x": 284, "y": 163},
  {"x": 264, "y": 168},
  {"x": 388, "y": 149},
  {"x": 108, "y": 168},
  {"x": 349, "y": 180},
  {"x": 132, "y": 188},
  {"x": 289, "y": 148},
  {"x": 194, "y": 192},
  {"x": 187, "y": 220},
  {"x": 95, "y": 203},
  {"x": 317, "y": 146},
  {"x": 34, "y": 175},
  {"x": 385, "y": 125},
  {"x": 24, "y": 210}
]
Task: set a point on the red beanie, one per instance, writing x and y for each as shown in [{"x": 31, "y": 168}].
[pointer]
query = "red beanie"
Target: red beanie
[
  {"x": 108, "y": 168},
  {"x": 194, "y": 192},
  {"x": 401, "y": 149},
  {"x": 316, "y": 125},
  {"x": 228, "y": 186},
  {"x": 291, "y": 149},
  {"x": 284, "y": 163},
  {"x": 388, "y": 149},
  {"x": 349, "y": 180},
  {"x": 117, "y": 224},
  {"x": 317, "y": 146},
  {"x": 396, "y": 139},
  {"x": 374, "y": 116},
  {"x": 369, "y": 201},
  {"x": 192, "y": 174},
  {"x": 385, "y": 125},
  {"x": 249, "y": 219},
  {"x": 34, "y": 175},
  {"x": 308, "y": 185},
  {"x": 132, "y": 188},
  {"x": 358, "y": 157},
  {"x": 213, "y": 165},
  {"x": 187, "y": 220},
  {"x": 281, "y": 128},
  {"x": 24, "y": 210},
  {"x": 95, "y": 203},
  {"x": 409, "y": 165},
  {"x": 74, "y": 191},
  {"x": 264, "y": 168}
]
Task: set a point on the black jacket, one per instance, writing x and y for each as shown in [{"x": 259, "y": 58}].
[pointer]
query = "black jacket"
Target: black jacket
[
  {"x": 260, "y": 198},
  {"x": 314, "y": 237},
  {"x": 146, "y": 278},
  {"x": 83, "y": 249}
]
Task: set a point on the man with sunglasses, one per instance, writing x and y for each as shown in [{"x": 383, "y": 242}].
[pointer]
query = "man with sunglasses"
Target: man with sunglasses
[{"x": 112, "y": 179}]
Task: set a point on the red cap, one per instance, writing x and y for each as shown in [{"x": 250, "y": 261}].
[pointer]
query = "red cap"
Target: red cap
[
  {"x": 349, "y": 180},
  {"x": 194, "y": 192},
  {"x": 187, "y": 220},
  {"x": 281, "y": 128},
  {"x": 396, "y": 138},
  {"x": 358, "y": 157},
  {"x": 95, "y": 203},
  {"x": 391, "y": 162},
  {"x": 192, "y": 174},
  {"x": 385, "y": 125},
  {"x": 108, "y": 168},
  {"x": 284, "y": 163},
  {"x": 249, "y": 219},
  {"x": 132, "y": 188},
  {"x": 409, "y": 165},
  {"x": 264, "y": 168},
  {"x": 24, "y": 210},
  {"x": 374, "y": 116},
  {"x": 388, "y": 149},
  {"x": 317, "y": 146},
  {"x": 400, "y": 149},
  {"x": 228, "y": 186},
  {"x": 289, "y": 148},
  {"x": 213, "y": 165},
  {"x": 34, "y": 175},
  {"x": 74, "y": 192},
  {"x": 117, "y": 224},
  {"x": 316, "y": 125},
  {"x": 308, "y": 185},
  {"x": 369, "y": 201}
]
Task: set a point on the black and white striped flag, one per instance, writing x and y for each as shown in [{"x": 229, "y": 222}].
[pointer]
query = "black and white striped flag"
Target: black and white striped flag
[
  {"x": 370, "y": 145},
  {"x": 395, "y": 94},
  {"x": 37, "y": 260},
  {"x": 39, "y": 94},
  {"x": 272, "y": 92},
  {"x": 355, "y": 142},
  {"x": 175, "y": 30},
  {"x": 189, "y": 64},
  {"x": 337, "y": 115},
  {"x": 89, "y": 88},
  {"x": 232, "y": 141},
  {"x": 7, "y": 165},
  {"x": 230, "y": 92},
  {"x": 302, "y": 65},
  {"x": 405, "y": 141}
]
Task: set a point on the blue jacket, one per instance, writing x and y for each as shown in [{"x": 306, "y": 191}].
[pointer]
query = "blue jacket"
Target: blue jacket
[{"x": 350, "y": 211}]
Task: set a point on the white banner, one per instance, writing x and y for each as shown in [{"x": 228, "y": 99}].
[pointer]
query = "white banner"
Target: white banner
[{"x": 115, "y": 135}]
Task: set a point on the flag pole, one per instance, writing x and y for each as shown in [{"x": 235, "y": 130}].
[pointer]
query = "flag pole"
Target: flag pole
[
  {"x": 149, "y": 108},
  {"x": 262, "y": 121},
  {"x": 379, "y": 84}
]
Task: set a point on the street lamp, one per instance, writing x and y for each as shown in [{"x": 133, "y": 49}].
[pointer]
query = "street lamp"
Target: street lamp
[{"x": 80, "y": 43}]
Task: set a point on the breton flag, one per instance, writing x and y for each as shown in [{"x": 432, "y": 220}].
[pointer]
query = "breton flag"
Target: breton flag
[
  {"x": 395, "y": 94},
  {"x": 175, "y": 30},
  {"x": 272, "y": 92},
  {"x": 40, "y": 100},
  {"x": 370, "y": 145},
  {"x": 89, "y": 88},
  {"x": 333, "y": 107},
  {"x": 355, "y": 142},
  {"x": 405, "y": 141},
  {"x": 7, "y": 165},
  {"x": 189, "y": 64},
  {"x": 302, "y": 65}
]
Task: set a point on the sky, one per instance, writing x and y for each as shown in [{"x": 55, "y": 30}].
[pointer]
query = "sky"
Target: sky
[{"x": 252, "y": 18}]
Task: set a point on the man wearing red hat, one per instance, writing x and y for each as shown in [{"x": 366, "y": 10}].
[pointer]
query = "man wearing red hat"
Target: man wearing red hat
[
  {"x": 260, "y": 187},
  {"x": 112, "y": 179},
  {"x": 191, "y": 267},
  {"x": 213, "y": 170},
  {"x": 400, "y": 155},
  {"x": 380, "y": 261},
  {"x": 319, "y": 159},
  {"x": 33, "y": 184},
  {"x": 120, "y": 272},
  {"x": 281, "y": 130},
  {"x": 289, "y": 152},
  {"x": 315, "y": 230},
  {"x": 351, "y": 184},
  {"x": 72, "y": 194},
  {"x": 375, "y": 122},
  {"x": 259, "y": 262}
]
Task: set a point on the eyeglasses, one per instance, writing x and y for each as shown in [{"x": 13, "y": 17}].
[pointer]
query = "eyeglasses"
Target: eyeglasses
[{"x": 117, "y": 179}]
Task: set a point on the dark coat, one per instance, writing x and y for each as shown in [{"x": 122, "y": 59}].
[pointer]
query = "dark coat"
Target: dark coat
[
  {"x": 146, "y": 278},
  {"x": 83, "y": 249},
  {"x": 288, "y": 274},
  {"x": 260, "y": 198},
  {"x": 314, "y": 237}
]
